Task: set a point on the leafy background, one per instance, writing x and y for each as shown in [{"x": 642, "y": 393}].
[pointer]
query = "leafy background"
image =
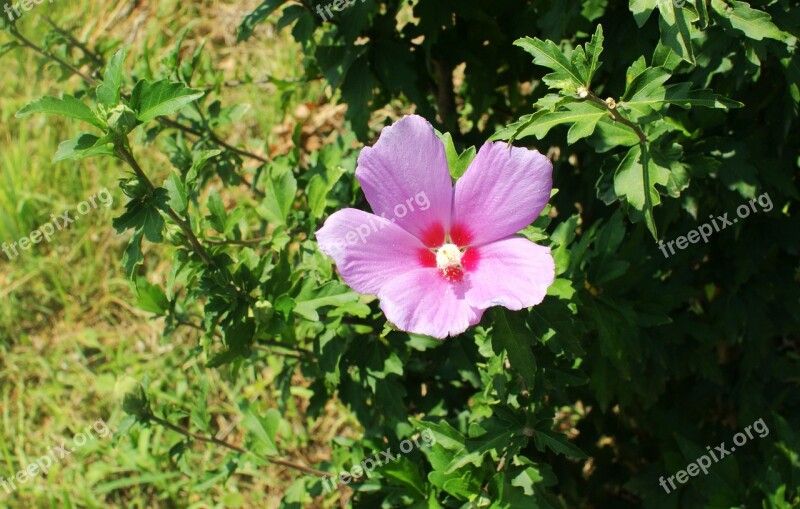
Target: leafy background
[{"x": 228, "y": 133}]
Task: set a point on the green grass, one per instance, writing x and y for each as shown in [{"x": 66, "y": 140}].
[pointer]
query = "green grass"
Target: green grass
[{"x": 68, "y": 328}]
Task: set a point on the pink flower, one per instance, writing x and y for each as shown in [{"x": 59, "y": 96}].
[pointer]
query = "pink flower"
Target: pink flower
[{"x": 436, "y": 266}]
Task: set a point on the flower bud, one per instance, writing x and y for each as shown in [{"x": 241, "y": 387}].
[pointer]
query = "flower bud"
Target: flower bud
[
  {"x": 133, "y": 397},
  {"x": 264, "y": 311},
  {"x": 121, "y": 120}
]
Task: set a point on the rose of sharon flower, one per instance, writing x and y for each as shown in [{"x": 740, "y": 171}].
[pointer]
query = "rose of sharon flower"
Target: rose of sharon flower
[{"x": 437, "y": 269}]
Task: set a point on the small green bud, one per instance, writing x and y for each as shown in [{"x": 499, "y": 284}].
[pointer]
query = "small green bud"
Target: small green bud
[
  {"x": 121, "y": 120},
  {"x": 133, "y": 397},
  {"x": 264, "y": 311}
]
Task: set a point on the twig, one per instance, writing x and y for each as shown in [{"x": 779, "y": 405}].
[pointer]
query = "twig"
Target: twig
[
  {"x": 297, "y": 351},
  {"x": 234, "y": 242},
  {"x": 24, "y": 40},
  {"x": 126, "y": 155},
  {"x": 166, "y": 121},
  {"x": 273, "y": 352},
  {"x": 616, "y": 116},
  {"x": 76, "y": 43},
  {"x": 233, "y": 447}
]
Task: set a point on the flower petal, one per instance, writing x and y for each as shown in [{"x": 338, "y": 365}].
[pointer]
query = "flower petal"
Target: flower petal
[
  {"x": 369, "y": 250},
  {"x": 514, "y": 273},
  {"x": 422, "y": 302},
  {"x": 406, "y": 179},
  {"x": 502, "y": 192}
]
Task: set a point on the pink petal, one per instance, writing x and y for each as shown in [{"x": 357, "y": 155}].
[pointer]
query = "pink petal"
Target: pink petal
[
  {"x": 369, "y": 250},
  {"x": 502, "y": 192},
  {"x": 514, "y": 273},
  {"x": 422, "y": 302},
  {"x": 406, "y": 179}
]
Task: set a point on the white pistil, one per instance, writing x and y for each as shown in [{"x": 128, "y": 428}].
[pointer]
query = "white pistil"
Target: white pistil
[{"x": 448, "y": 256}]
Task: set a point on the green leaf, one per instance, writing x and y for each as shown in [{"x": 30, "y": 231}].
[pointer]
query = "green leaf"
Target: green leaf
[
  {"x": 546, "y": 54},
  {"x": 676, "y": 29},
  {"x": 644, "y": 84},
  {"x": 219, "y": 216},
  {"x": 144, "y": 214},
  {"x": 151, "y": 297},
  {"x": 199, "y": 161},
  {"x": 312, "y": 297},
  {"x": 406, "y": 473},
  {"x": 586, "y": 114},
  {"x": 264, "y": 429},
  {"x": 176, "y": 191},
  {"x": 279, "y": 191},
  {"x": 740, "y": 17},
  {"x": 678, "y": 94},
  {"x": 133, "y": 256},
  {"x": 356, "y": 91},
  {"x": 458, "y": 163},
  {"x": 511, "y": 335},
  {"x": 610, "y": 134},
  {"x": 85, "y": 145},
  {"x": 318, "y": 188},
  {"x": 151, "y": 99},
  {"x": 67, "y": 106},
  {"x": 642, "y": 9},
  {"x": 557, "y": 443},
  {"x": 587, "y": 60},
  {"x": 635, "y": 181},
  {"x": 446, "y": 435},
  {"x": 108, "y": 92},
  {"x": 496, "y": 435},
  {"x": 260, "y": 14}
]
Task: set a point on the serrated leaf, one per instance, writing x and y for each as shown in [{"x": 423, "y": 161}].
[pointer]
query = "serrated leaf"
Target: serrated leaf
[
  {"x": 740, "y": 17},
  {"x": 587, "y": 59},
  {"x": 144, "y": 214},
  {"x": 678, "y": 94},
  {"x": 546, "y": 54},
  {"x": 318, "y": 188},
  {"x": 446, "y": 435},
  {"x": 133, "y": 256},
  {"x": 312, "y": 297},
  {"x": 108, "y": 92},
  {"x": 512, "y": 335},
  {"x": 260, "y": 14},
  {"x": 219, "y": 216},
  {"x": 557, "y": 443},
  {"x": 151, "y": 99},
  {"x": 649, "y": 82},
  {"x": 641, "y": 9},
  {"x": 279, "y": 194},
  {"x": 67, "y": 106},
  {"x": 611, "y": 134},
  {"x": 676, "y": 28},
  {"x": 585, "y": 113},
  {"x": 176, "y": 191},
  {"x": 264, "y": 429},
  {"x": 83, "y": 146},
  {"x": 199, "y": 160},
  {"x": 151, "y": 298},
  {"x": 500, "y": 435},
  {"x": 635, "y": 181}
]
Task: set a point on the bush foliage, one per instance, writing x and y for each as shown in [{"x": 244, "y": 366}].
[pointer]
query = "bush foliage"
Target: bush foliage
[{"x": 657, "y": 115}]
